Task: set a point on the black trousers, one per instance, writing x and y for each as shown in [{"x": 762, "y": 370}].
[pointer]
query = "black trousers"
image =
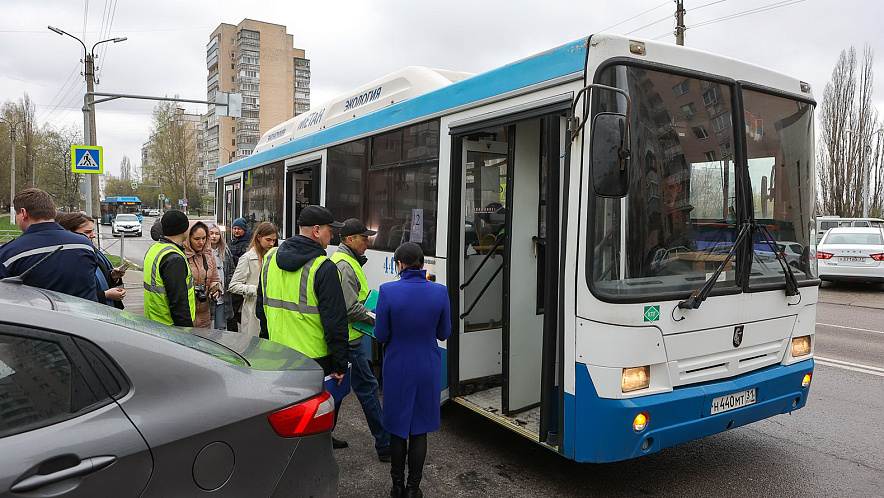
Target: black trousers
[{"x": 415, "y": 449}]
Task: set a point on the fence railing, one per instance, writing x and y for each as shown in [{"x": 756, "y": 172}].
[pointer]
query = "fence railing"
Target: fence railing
[{"x": 7, "y": 235}]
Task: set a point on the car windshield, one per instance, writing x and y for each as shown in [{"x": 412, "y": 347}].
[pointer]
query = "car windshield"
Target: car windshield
[
  {"x": 860, "y": 239},
  {"x": 107, "y": 314},
  {"x": 679, "y": 219},
  {"x": 127, "y": 217}
]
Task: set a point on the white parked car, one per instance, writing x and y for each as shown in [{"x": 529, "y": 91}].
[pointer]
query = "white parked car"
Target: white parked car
[
  {"x": 153, "y": 212},
  {"x": 126, "y": 224},
  {"x": 852, "y": 254}
]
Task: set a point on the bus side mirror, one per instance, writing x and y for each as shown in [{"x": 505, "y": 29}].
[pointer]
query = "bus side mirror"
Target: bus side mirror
[{"x": 610, "y": 157}]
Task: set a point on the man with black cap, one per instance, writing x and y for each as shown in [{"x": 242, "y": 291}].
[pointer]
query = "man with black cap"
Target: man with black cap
[
  {"x": 168, "y": 284},
  {"x": 310, "y": 319},
  {"x": 350, "y": 258}
]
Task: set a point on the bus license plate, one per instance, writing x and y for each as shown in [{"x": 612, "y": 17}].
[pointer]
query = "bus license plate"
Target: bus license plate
[{"x": 733, "y": 401}]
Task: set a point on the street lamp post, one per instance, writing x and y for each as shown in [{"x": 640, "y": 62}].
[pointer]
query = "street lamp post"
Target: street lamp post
[
  {"x": 92, "y": 205},
  {"x": 12, "y": 168}
]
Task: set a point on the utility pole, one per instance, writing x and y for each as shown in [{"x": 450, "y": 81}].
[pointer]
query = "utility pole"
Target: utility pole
[
  {"x": 93, "y": 193},
  {"x": 12, "y": 126},
  {"x": 679, "y": 22},
  {"x": 12, "y": 177},
  {"x": 93, "y": 204}
]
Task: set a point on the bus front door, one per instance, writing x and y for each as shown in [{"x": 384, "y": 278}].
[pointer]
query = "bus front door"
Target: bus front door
[{"x": 506, "y": 341}]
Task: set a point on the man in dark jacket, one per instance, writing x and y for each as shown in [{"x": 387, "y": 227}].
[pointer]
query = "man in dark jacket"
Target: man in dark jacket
[
  {"x": 326, "y": 339},
  {"x": 70, "y": 271},
  {"x": 240, "y": 241},
  {"x": 168, "y": 284},
  {"x": 239, "y": 245}
]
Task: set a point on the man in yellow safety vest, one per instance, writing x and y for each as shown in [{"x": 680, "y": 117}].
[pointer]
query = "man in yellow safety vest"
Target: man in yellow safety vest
[
  {"x": 168, "y": 284},
  {"x": 350, "y": 257},
  {"x": 300, "y": 302}
]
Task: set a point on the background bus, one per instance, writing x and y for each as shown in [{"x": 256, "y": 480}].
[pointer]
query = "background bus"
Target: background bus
[
  {"x": 570, "y": 263},
  {"x": 112, "y": 206}
]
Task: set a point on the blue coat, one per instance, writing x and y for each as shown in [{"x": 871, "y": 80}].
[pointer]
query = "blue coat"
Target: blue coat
[
  {"x": 412, "y": 314},
  {"x": 70, "y": 271}
]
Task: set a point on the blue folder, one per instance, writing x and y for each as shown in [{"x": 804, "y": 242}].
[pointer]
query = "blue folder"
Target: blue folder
[{"x": 338, "y": 391}]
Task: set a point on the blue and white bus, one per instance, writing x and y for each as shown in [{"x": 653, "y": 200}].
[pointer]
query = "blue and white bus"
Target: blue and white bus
[
  {"x": 112, "y": 206},
  {"x": 595, "y": 211}
]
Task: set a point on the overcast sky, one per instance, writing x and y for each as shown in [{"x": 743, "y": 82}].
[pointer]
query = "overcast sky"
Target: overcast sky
[{"x": 351, "y": 43}]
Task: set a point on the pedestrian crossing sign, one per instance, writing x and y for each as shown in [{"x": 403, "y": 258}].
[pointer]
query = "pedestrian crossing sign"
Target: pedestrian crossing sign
[{"x": 87, "y": 159}]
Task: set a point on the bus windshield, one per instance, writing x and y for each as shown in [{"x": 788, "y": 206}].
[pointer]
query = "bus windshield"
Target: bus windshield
[{"x": 680, "y": 217}]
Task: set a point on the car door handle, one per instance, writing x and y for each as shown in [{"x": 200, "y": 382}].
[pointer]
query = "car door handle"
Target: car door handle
[{"x": 83, "y": 468}]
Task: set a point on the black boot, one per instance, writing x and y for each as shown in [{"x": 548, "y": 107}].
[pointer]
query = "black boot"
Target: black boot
[
  {"x": 398, "y": 449},
  {"x": 413, "y": 492},
  {"x": 417, "y": 454}
]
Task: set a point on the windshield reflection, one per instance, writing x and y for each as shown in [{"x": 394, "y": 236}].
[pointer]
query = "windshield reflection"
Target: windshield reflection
[{"x": 681, "y": 217}]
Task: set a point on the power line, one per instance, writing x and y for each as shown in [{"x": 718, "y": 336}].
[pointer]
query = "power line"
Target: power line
[
  {"x": 756, "y": 10},
  {"x": 63, "y": 86},
  {"x": 633, "y": 17},
  {"x": 31, "y": 82},
  {"x": 658, "y": 21}
]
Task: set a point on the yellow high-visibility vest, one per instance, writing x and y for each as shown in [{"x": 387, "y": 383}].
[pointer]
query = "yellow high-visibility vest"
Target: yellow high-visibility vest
[
  {"x": 156, "y": 302},
  {"x": 291, "y": 306}
]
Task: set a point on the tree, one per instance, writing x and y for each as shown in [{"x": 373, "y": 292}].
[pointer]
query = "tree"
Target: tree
[
  {"x": 126, "y": 169},
  {"x": 848, "y": 137},
  {"x": 172, "y": 154},
  {"x": 54, "y": 174}
]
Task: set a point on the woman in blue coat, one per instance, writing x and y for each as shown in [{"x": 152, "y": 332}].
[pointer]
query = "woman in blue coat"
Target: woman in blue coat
[{"x": 412, "y": 314}]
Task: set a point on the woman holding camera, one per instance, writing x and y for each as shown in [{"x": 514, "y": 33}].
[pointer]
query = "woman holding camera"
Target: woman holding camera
[
  {"x": 206, "y": 284},
  {"x": 246, "y": 277}
]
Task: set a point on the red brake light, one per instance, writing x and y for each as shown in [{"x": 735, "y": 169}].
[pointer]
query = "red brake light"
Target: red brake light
[
  {"x": 823, "y": 255},
  {"x": 312, "y": 416},
  {"x": 877, "y": 257}
]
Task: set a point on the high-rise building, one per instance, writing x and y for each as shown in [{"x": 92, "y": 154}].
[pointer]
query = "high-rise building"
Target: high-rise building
[{"x": 258, "y": 60}]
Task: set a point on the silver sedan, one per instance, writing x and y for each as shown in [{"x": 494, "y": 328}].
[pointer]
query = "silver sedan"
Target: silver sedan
[
  {"x": 99, "y": 402},
  {"x": 852, "y": 254}
]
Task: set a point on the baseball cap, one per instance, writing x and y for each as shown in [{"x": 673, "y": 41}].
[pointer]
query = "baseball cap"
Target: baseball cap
[
  {"x": 317, "y": 215},
  {"x": 355, "y": 226}
]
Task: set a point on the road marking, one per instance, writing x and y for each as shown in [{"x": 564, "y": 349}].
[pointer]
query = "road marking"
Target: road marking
[
  {"x": 851, "y": 328},
  {"x": 846, "y": 365}
]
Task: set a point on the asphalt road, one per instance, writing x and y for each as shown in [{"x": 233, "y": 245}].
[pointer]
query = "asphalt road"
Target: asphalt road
[
  {"x": 831, "y": 447},
  {"x": 134, "y": 248}
]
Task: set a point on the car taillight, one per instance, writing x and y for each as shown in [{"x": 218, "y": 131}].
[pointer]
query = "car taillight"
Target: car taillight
[
  {"x": 823, "y": 255},
  {"x": 877, "y": 257},
  {"x": 312, "y": 416}
]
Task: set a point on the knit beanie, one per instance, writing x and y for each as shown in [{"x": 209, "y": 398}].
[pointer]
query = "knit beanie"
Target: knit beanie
[
  {"x": 174, "y": 223},
  {"x": 240, "y": 222}
]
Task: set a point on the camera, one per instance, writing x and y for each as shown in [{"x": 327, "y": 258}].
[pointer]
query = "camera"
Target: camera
[{"x": 200, "y": 291}]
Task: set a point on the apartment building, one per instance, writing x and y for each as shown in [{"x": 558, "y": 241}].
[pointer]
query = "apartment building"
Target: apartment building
[{"x": 258, "y": 60}]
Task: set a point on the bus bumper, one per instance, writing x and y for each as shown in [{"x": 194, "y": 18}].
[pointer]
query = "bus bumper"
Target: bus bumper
[{"x": 603, "y": 432}]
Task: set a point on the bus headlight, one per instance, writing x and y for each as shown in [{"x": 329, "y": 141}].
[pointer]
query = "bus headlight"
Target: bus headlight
[
  {"x": 800, "y": 346},
  {"x": 635, "y": 378}
]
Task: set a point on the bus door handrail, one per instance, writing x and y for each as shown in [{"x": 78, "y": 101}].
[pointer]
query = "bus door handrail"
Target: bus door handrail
[
  {"x": 482, "y": 292},
  {"x": 500, "y": 238}
]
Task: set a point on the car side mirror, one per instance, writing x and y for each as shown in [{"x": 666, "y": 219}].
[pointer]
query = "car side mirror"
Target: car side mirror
[{"x": 610, "y": 157}]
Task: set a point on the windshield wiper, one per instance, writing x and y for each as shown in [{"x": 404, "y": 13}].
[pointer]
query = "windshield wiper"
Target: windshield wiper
[
  {"x": 700, "y": 295},
  {"x": 791, "y": 281}
]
